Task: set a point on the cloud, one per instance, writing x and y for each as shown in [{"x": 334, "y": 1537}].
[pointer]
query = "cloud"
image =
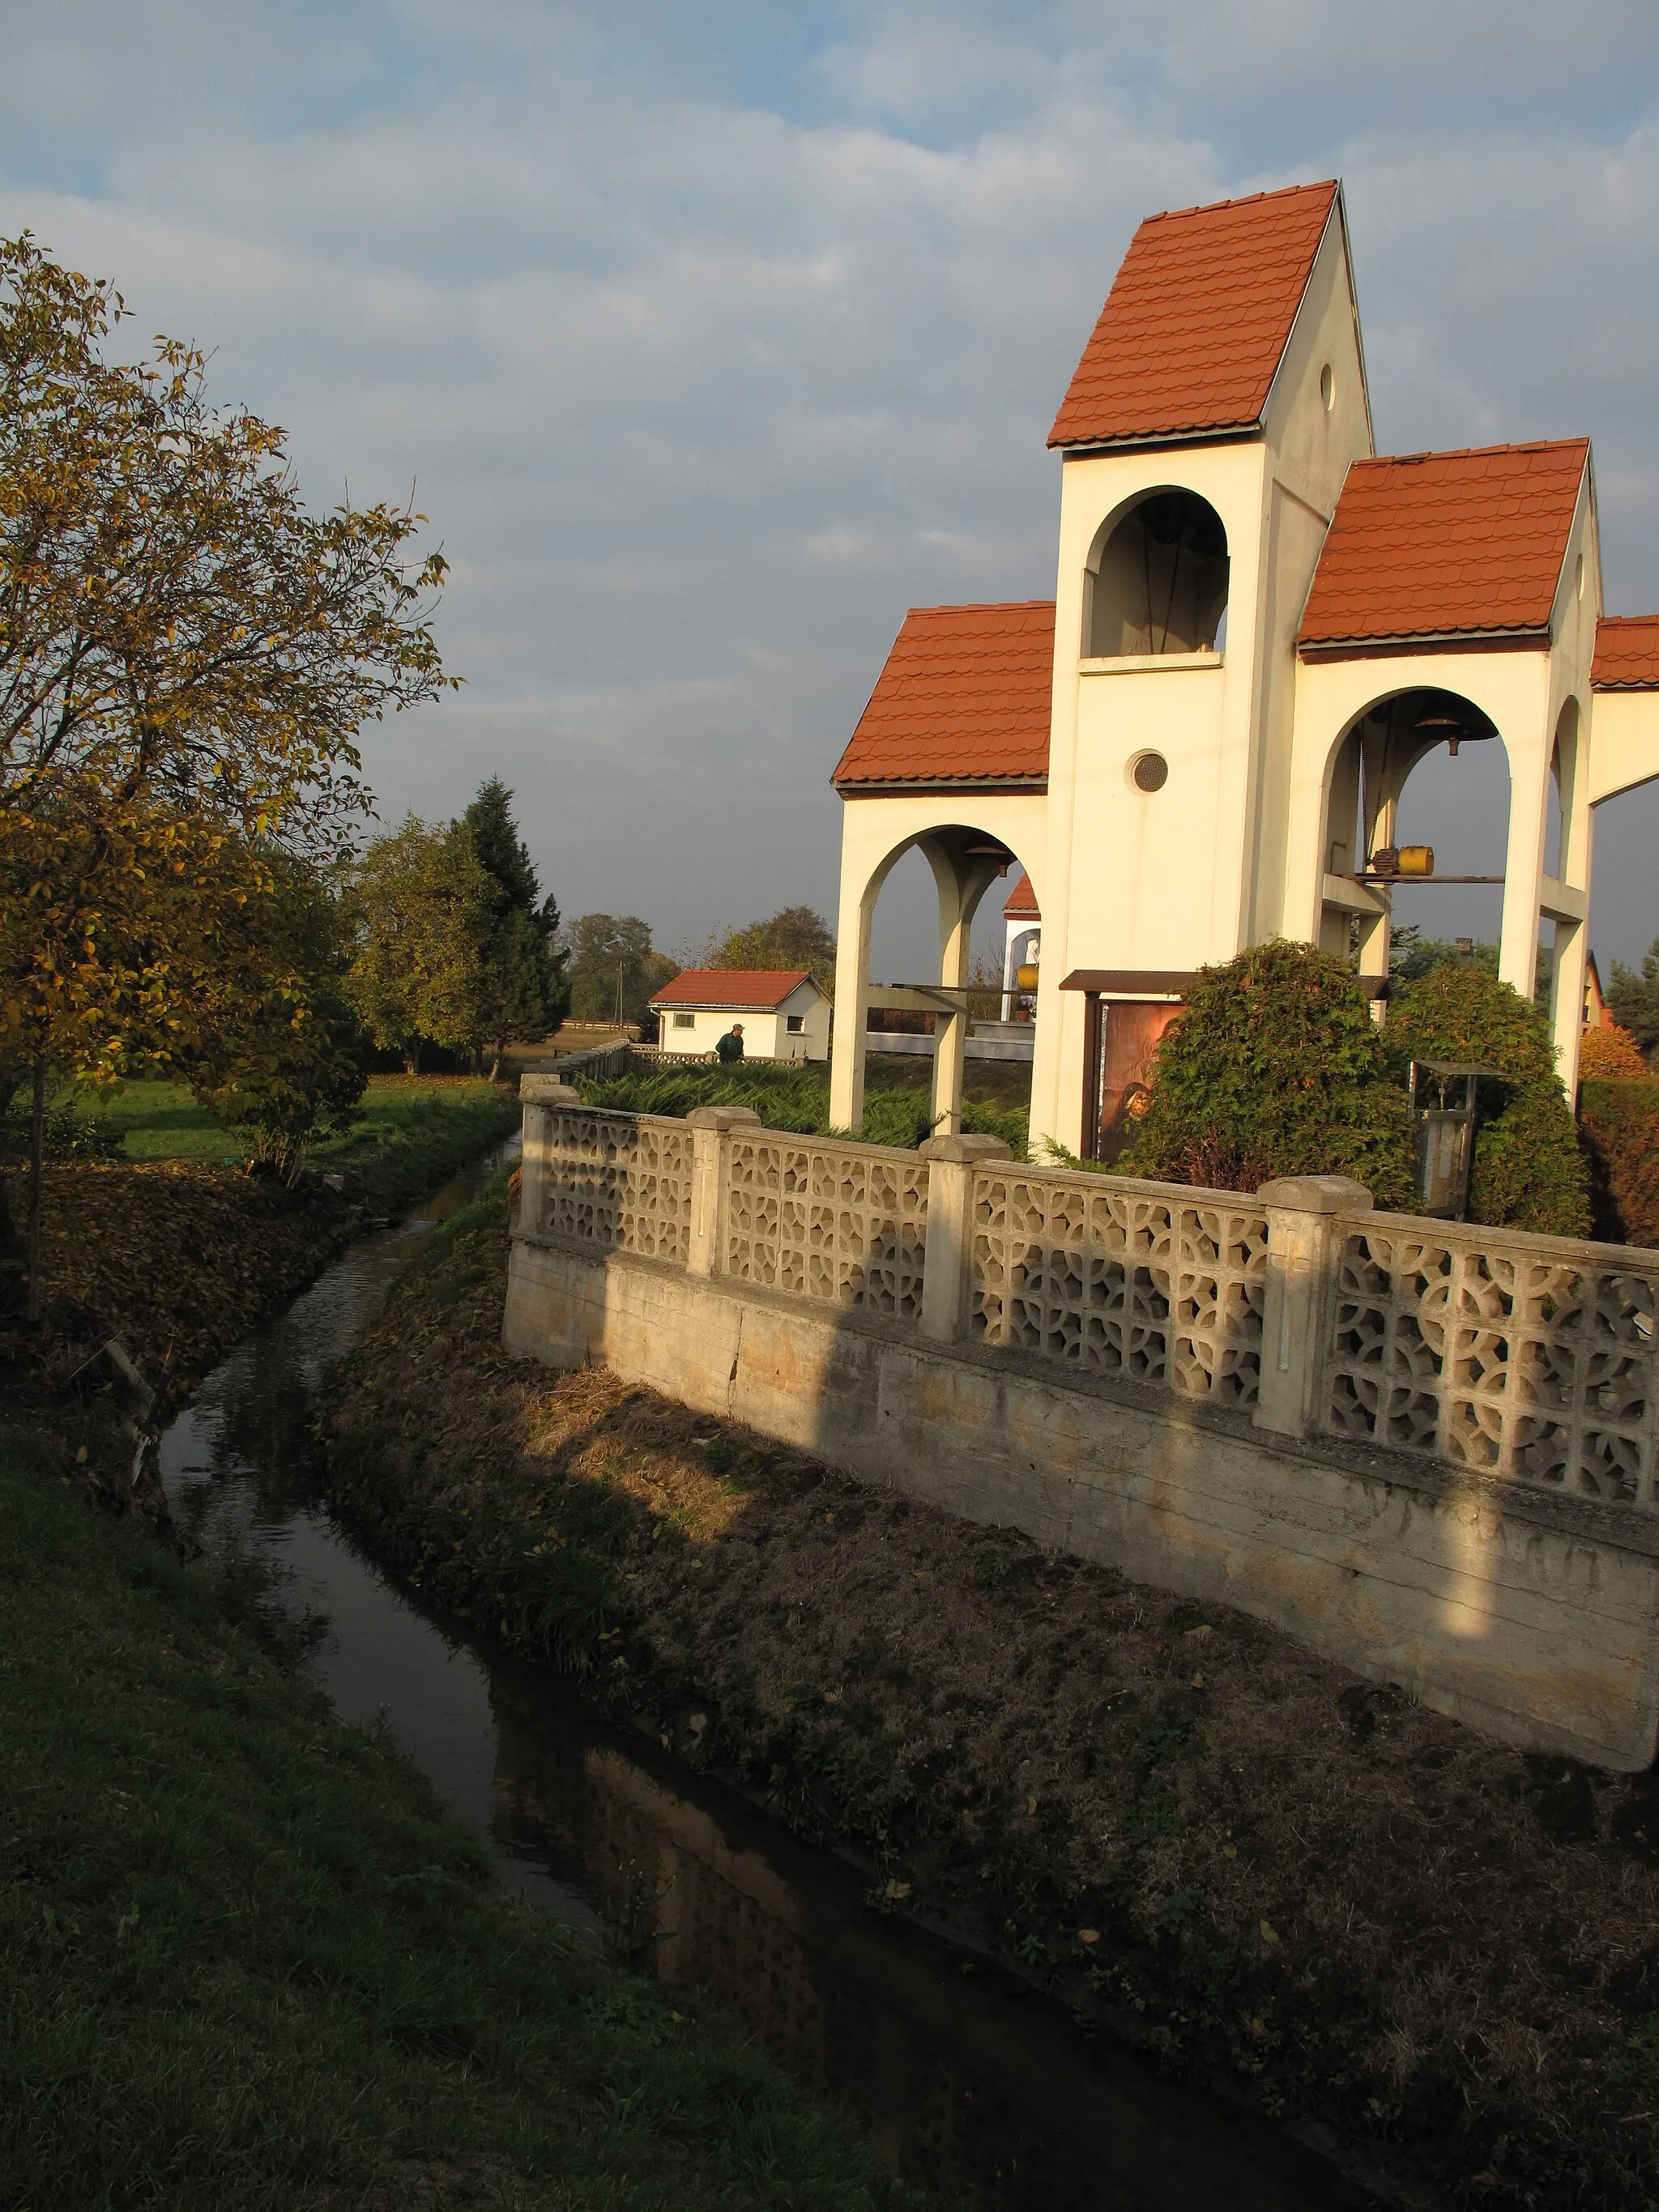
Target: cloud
[{"x": 708, "y": 355}]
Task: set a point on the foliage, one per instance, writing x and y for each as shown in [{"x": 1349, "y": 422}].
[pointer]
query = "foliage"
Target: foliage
[
  {"x": 417, "y": 905},
  {"x": 1412, "y": 955},
  {"x": 1607, "y": 1050},
  {"x": 277, "y": 1056},
  {"x": 599, "y": 946},
  {"x": 1619, "y": 1124},
  {"x": 250, "y": 1962},
  {"x": 68, "y": 1134},
  {"x": 1275, "y": 1069},
  {"x": 525, "y": 992},
  {"x": 797, "y": 937},
  {"x": 1633, "y": 997},
  {"x": 1528, "y": 1171},
  {"x": 796, "y": 1097}
]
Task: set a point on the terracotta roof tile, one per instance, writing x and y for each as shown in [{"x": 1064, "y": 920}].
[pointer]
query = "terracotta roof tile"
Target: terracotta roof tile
[
  {"x": 1197, "y": 320},
  {"x": 745, "y": 990},
  {"x": 1021, "y": 905},
  {"x": 1438, "y": 544},
  {"x": 965, "y": 698},
  {"x": 1627, "y": 653}
]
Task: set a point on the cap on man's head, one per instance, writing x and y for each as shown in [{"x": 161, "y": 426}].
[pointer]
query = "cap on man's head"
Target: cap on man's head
[{"x": 736, "y": 1028}]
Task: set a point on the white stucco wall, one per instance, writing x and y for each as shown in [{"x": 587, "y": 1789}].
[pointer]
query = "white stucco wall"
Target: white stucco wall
[{"x": 766, "y": 1034}]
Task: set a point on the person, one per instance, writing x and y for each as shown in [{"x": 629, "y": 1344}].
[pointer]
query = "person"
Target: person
[{"x": 730, "y": 1047}]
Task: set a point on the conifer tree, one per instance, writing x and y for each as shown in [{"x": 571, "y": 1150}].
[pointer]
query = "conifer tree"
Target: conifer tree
[{"x": 525, "y": 992}]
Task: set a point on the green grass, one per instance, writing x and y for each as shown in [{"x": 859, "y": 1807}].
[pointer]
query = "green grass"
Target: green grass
[
  {"x": 412, "y": 1132},
  {"x": 896, "y": 1099},
  {"x": 249, "y": 1964}
]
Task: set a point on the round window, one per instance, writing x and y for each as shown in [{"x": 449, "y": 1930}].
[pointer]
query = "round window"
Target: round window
[
  {"x": 1578, "y": 578},
  {"x": 1328, "y": 388},
  {"x": 1149, "y": 771}
]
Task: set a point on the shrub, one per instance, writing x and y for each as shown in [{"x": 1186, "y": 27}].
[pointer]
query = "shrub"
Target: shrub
[
  {"x": 1527, "y": 1172},
  {"x": 1618, "y": 1122},
  {"x": 1610, "y": 1051},
  {"x": 1275, "y": 1068}
]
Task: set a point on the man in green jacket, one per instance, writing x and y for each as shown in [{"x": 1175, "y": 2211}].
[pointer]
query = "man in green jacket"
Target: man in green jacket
[{"x": 730, "y": 1047}]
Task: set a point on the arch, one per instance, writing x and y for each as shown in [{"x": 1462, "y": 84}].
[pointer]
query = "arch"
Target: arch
[
  {"x": 1560, "y": 859},
  {"x": 965, "y": 861},
  {"x": 1157, "y": 578}
]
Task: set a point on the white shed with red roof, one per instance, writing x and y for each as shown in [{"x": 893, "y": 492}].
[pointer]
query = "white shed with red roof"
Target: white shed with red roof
[{"x": 783, "y": 1012}]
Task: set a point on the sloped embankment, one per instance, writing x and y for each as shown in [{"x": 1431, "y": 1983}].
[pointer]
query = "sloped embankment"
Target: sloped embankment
[{"x": 1277, "y": 1877}]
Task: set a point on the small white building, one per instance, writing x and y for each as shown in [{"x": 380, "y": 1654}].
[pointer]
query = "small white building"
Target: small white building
[{"x": 785, "y": 1015}]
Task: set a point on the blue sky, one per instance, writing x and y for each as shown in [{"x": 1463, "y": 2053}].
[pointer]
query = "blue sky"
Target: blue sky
[{"x": 713, "y": 338}]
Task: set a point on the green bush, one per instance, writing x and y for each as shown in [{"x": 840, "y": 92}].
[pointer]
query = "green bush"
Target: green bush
[
  {"x": 1528, "y": 1172},
  {"x": 1275, "y": 1068},
  {"x": 69, "y": 1135},
  {"x": 1618, "y": 1124},
  {"x": 797, "y": 1097}
]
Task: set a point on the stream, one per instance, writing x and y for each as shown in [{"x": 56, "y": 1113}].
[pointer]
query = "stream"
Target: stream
[{"x": 969, "y": 2081}]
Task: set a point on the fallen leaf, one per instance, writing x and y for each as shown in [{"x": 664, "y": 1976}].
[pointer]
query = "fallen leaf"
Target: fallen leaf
[
  {"x": 1203, "y": 1629},
  {"x": 1229, "y": 1850},
  {"x": 895, "y": 1890},
  {"x": 1269, "y": 1932},
  {"x": 1030, "y": 1804},
  {"x": 1088, "y": 1935}
]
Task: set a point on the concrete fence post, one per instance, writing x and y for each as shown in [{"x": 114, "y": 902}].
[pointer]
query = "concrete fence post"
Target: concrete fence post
[
  {"x": 540, "y": 1096},
  {"x": 711, "y": 1158},
  {"x": 1304, "y": 1247},
  {"x": 945, "y": 1268}
]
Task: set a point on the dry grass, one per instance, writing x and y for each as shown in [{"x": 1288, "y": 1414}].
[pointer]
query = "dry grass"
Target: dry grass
[{"x": 1270, "y": 1872}]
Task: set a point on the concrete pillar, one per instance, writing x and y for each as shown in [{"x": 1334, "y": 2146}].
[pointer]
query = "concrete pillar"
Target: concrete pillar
[
  {"x": 946, "y": 1293},
  {"x": 849, "y": 1038},
  {"x": 1304, "y": 1246},
  {"x": 1567, "y": 1000},
  {"x": 710, "y": 1152},
  {"x": 539, "y": 1096},
  {"x": 1523, "y": 863}
]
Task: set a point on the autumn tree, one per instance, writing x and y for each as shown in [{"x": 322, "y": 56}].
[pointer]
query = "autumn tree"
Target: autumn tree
[
  {"x": 522, "y": 973},
  {"x": 611, "y": 957},
  {"x": 186, "y": 656},
  {"x": 418, "y": 904},
  {"x": 1634, "y": 998},
  {"x": 795, "y": 937}
]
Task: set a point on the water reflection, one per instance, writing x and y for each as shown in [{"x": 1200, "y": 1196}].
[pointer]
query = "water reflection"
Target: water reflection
[{"x": 969, "y": 2081}]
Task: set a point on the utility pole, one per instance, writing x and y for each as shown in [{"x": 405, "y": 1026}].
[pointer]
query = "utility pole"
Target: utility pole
[{"x": 620, "y": 965}]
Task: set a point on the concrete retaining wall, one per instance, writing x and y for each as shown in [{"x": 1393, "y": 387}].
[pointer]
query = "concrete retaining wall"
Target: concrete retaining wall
[{"x": 1532, "y": 1617}]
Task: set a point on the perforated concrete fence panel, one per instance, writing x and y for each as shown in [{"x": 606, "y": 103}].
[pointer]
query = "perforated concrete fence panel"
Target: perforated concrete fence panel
[
  {"x": 622, "y": 1181},
  {"x": 844, "y": 1225}
]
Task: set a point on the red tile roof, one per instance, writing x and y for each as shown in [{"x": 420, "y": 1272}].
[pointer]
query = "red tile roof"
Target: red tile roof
[
  {"x": 1197, "y": 320},
  {"x": 745, "y": 990},
  {"x": 1446, "y": 545},
  {"x": 965, "y": 698},
  {"x": 1627, "y": 653},
  {"x": 1021, "y": 905}
]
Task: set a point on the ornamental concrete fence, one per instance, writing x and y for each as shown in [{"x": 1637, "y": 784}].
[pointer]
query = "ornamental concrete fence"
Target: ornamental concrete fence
[{"x": 1430, "y": 1450}]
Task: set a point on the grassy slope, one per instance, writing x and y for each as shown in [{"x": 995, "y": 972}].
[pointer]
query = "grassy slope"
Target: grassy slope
[
  {"x": 248, "y": 1964},
  {"x": 1292, "y": 1880},
  {"x": 413, "y": 1131}
]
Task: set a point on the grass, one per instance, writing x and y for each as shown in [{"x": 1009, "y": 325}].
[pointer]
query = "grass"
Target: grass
[
  {"x": 1274, "y": 1876},
  {"x": 412, "y": 1132},
  {"x": 249, "y": 1964},
  {"x": 896, "y": 1099}
]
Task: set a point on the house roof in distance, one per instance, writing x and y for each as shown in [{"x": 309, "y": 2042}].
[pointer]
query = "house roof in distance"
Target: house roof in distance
[
  {"x": 1627, "y": 653},
  {"x": 1197, "y": 321},
  {"x": 965, "y": 698},
  {"x": 740, "y": 990},
  {"x": 1021, "y": 905},
  {"x": 1458, "y": 545}
]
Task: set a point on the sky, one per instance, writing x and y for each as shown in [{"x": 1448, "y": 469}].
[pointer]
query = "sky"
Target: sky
[{"x": 710, "y": 339}]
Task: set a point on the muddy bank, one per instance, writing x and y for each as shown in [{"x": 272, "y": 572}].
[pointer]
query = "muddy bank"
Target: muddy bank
[{"x": 1357, "y": 1915}]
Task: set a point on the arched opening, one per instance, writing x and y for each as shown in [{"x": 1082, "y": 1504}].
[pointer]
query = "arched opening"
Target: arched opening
[
  {"x": 1558, "y": 855},
  {"x": 1419, "y": 805},
  {"x": 1159, "y": 584}
]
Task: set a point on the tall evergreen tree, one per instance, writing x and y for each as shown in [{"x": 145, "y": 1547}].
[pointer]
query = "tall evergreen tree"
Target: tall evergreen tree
[{"x": 525, "y": 993}]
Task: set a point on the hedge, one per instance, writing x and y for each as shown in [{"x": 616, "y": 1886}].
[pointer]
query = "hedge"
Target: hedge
[{"x": 1618, "y": 1126}]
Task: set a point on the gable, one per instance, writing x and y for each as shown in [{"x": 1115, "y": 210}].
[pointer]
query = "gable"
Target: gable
[{"x": 1197, "y": 321}]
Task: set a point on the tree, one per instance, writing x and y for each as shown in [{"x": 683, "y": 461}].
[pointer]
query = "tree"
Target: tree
[
  {"x": 1275, "y": 1068},
  {"x": 1412, "y": 955},
  {"x": 1634, "y": 997},
  {"x": 1528, "y": 1171},
  {"x": 607, "y": 952},
  {"x": 525, "y": 993},
  {"x": 1607, "y": 1050},
  {"x": 187, "y": 653},
  {"x": 418, "y": 911},
  {"x": 279, "y": 1055},
  {"x": 795, "y": 937}
]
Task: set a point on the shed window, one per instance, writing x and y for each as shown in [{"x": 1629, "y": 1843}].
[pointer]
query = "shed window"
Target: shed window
[
  {"x": 794, "y": 1024},
  {"x": 685, "y": 1021}
]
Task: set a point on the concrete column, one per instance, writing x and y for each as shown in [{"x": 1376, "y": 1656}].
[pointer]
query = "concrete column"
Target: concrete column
[
  {"x": 1567, "y": 1000},
  {"x": 710, "y": 1153},
  {"x": 945, "y": 1270},
  {"x": 1304, "y": 1243},
  {"x": 848, "y": 1040},
  {"x": 1523, "y": 864},
  {"x": 540, "y": 1096}
]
